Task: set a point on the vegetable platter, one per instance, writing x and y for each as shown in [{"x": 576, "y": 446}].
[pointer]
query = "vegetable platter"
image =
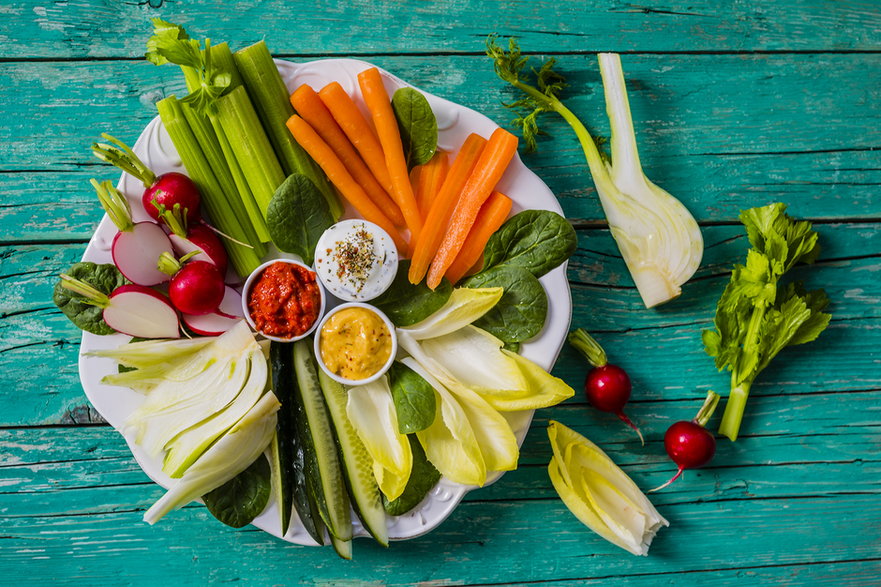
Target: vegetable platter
[{"x": 454, "y": 123}]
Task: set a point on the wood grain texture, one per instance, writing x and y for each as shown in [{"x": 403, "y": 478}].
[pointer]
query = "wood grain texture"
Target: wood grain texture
[{"x": 736, "y": 104}]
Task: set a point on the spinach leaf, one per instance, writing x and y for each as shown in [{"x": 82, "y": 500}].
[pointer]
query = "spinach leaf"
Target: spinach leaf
[
  {"x": 521, "y": 312},
  {"x": 297, "y": 216},
  {"x": 406, "y": 304},
  {"x": 537, "y": 240},
  {"x": 422, "y": 478},
  {"x": 417, "y": 124},
  {"x": 105, "y": 278},
  {"x": 241, "y": 499},
  {"x": 414, "y": 399}
]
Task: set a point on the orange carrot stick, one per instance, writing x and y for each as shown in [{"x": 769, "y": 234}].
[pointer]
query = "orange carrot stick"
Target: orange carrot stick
[
  {"x": 338, "y": 175},
  {"x": 428, "y": 180},
  {"x": 425, "y": 247},
  {"x": 358, "y": 129},
  {"x": 380, "y": 107},
  {"x": 309, "y": 106},
  {"x": 499, "y": 151},
  {"x": 491, "y": 216}
]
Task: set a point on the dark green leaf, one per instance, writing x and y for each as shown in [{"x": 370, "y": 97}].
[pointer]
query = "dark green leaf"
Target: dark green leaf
[
  {"x": 521, "y": 312},
  {"x": 414, "y": 398},
  {"x": 417, "y": 125},
  {"x": 105, "y": 278},
  {"x": 297, "y": 216},
  {"x": 241, "y": 499},
  {"x": 537, "y": 240},
  {"x": 423, "y": 477},
  {"x": 406, "y": 304}
]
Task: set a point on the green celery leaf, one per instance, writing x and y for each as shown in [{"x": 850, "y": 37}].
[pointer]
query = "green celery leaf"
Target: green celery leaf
[
  {"x": 170, "y": 43},
  {"x": 816, "y": 302}
]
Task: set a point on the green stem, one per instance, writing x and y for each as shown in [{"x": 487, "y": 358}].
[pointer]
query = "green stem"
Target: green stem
[
  {"x": 733, "y": 415},
  {"x": 89, "y": 293},
  {"x": 625, "y": 156},
  {"x": 120, "y": 155},
  {"x": 175, "y": 219},
  {"x": 168, "y": 264},
  {"x": 706, "y": 412},
  {"x": 585, "y": 344},
  {"x": 115, "y": 204}
]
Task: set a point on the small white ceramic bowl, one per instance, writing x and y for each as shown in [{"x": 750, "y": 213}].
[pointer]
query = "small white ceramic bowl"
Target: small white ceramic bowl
[
  {"x": 246, "y": 290},
  {"x": 382, "y": 271},
  {"x": 382, "y": 370}
]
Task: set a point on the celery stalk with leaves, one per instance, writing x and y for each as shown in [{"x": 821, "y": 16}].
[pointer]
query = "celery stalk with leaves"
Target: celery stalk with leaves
[
  {"x": 658, "y": 238},
  {"x": 757, "y": 316}
]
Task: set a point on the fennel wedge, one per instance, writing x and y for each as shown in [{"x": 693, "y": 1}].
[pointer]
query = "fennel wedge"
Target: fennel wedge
[{"x": 659, "y": 239}]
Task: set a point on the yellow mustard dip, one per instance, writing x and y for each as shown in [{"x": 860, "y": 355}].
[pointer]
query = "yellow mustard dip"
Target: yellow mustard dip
[{"x": 355, "y": 343}]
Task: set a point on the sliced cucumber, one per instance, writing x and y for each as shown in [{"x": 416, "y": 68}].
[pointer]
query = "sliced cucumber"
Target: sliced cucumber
[
  {"x": 333, "y": 499},
  {"x": 356, "y": 461},
  {"x": 281, "y": 448},
  {"x": 342, "y": 547}
]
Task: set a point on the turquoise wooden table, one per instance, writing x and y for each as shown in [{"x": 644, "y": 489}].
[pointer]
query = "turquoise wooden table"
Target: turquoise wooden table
[{"x": 736, "y": 105}]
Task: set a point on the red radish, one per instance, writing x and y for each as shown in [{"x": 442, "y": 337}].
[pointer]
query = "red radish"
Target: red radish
[
  {"x": 231, "y": 305},
  {"x": 131, "y": 309},
  {"x": 607, "y": 386},
  {"x": 196, "y": 238},
  {"x": 197, "y": 286},
  {"x": 209, "y": 324},
  {"x": 688, "y": 443},
  {"x": 136, "y": 247},
  {"x": 169, "y": 189}
]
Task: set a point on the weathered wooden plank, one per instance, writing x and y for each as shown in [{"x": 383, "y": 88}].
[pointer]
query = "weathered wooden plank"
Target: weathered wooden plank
[
  {"x": 720, "y": 132},
  {"x": 81, "y": 29}
]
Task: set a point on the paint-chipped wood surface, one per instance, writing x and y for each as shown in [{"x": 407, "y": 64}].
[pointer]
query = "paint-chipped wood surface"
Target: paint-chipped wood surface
[{"x": 736, "y": 104}]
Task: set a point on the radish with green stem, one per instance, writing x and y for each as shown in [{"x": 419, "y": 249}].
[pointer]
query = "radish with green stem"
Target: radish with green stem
[
  {"x": 607, "y": 386},
  {"x": 196, "y": 286},
  {"x": 171, "y": 189},
  {"x": 189, "y": 237},
  {"x": 137, "y": 246},
  {"x": 688, "y": 443},
  {"x": 130, "y": 309}
]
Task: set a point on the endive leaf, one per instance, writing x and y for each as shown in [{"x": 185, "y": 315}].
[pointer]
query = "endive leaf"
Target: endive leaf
[
  {"x": 372, "y": 413},
  {"x": 464, "y": 306},
  {"x": 599, "y": 493}
]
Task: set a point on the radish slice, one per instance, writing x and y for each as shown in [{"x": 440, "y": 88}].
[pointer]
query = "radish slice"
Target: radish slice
[
  {"x": 202, "y": 240},
  {"x": 209, "y": 324},
  {"x": 136, "y": 253},
  {"x": 140, "y": 311},
  {"x": 231, "y": 305}
]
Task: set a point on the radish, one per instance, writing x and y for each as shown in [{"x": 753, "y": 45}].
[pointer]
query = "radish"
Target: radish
[
  {"x": 688, "y": 443},
  {"x": 196, "y": 238},
  {"x": 137, "y": 246},
  {"x": 172, "y": 190},
  {"x": 231, "y": 305},
  {"x": 209, "y": 324},
  {"x": 197, "y": 286},
  {"x": 131, "y": 309},
  {"x": 607, "y": 386}
]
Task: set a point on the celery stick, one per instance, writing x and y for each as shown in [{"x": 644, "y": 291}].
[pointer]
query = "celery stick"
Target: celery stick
[
  {"x": 251, "y": 145},
  {"x": 271, "y": 100},
  {"x": 243, "y": 258},
  {"x": 226, "y": 169}
]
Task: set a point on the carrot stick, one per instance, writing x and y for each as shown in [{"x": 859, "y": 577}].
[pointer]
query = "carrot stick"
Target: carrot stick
[
  {"x": 309, "y": 106},
  {"x": 343, "y": 181},
  {"x": 358, "y": 129},
  {"x": 425, "y": 247},
  {"x": 499, "y": 151},
  {"x": 380, "y": 107},
  {"x": 491, "y": 216},
  {"x": 427, "y": 180}
]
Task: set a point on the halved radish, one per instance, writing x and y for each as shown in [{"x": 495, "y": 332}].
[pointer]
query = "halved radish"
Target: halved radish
[
  {"x": 132, "y": 309},
  {"x": 209, "y": 324},
  {"x": 199, "y": 238},
  {"x": 136, "y": 247},
  {"x": 231, "y": 305},
  {"x": 136, "y": 252}
]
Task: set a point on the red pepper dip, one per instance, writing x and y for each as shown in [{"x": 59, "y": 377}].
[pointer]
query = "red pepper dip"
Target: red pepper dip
[{"x": 284, "y": 300}]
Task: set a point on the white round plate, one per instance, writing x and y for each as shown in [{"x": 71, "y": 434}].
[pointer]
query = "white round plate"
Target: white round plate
[{"x": 455, "y": 123}]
